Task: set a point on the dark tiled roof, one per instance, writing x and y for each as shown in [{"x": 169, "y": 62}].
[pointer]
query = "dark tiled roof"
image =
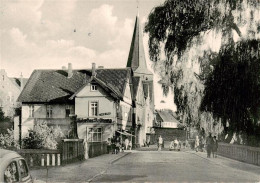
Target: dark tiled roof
[
  {"x": 55, "y": 86},
  {"x": 167, "y": 116}
]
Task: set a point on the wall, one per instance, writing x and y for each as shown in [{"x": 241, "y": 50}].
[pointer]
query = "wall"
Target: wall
[
  {"x": 107, "y": 129},
  {"x": 169, "y": 134},
  {"x": 9, "y": 92},
  {"x": 169, "y": 125},
  {"x": 105, "y": 103},
  {"x": 40, "y": 111}
]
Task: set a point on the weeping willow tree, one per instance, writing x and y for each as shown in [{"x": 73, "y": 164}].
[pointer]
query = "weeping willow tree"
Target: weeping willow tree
[{"x": 185, "y": 38}]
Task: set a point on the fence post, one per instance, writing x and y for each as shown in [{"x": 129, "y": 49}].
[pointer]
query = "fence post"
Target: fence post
[
  {"x": 53, "y": 160},
  {"x": 58, "y": 159},
  {"x": 42, "y": 160},
  {"x": 48, "y": 160}
]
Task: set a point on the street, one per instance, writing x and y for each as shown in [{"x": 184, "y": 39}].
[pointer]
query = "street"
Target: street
[
  {"x": 153, "y": 166},
  {"x": 168, "y": 166}
]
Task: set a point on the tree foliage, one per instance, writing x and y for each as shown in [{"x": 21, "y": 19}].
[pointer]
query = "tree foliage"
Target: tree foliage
[
  {"x": 184, "y": 42},
  {"x": 7, "y": 140},
  {"x": 232, "y": 90}
]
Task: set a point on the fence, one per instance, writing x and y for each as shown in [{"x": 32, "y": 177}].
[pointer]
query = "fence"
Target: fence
[
  {"x": 72, "y": 150},
  {"x": 96, "y": 149},
  {"x": 240, "y": 152},
  {"x": 41, "y": 157}
]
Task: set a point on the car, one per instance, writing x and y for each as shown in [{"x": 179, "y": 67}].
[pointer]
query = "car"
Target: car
[{"x": 13, "y": 167}]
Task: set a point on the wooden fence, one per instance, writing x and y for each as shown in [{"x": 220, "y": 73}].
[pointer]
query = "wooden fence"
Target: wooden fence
[
  {"x": 240, "y": 152},
  {"x": 96, "y": 149},
  {"x": 41, "y": 157},
  {"x": 72, "y": 150}
]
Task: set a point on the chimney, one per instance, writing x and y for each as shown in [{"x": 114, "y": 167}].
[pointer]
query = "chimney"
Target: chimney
[
  {"x": 94, "y": 69},
  {"x": 70, "y": 70},
  {"x": 21, "y": 82}
]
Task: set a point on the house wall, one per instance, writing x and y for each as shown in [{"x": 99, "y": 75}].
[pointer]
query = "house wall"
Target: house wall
[
  {"x": 107, "y": 130},
  {"x": 9, "y": 93},
  {"x": 106, "y": 105},
  {"x": 169, "y": 124},
  {"x": 40, "y": 115}
]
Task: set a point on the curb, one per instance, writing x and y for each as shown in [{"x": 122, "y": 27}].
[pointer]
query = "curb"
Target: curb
[{"x": 118, "y": 158}]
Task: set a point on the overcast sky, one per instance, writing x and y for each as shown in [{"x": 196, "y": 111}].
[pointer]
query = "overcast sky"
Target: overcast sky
[{"x": 47, "y": 34}]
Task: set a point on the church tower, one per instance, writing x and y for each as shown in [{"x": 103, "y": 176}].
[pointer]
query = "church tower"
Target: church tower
[
  {"x": 136, "y": 58},
  {"x": 143, "y": 94}
]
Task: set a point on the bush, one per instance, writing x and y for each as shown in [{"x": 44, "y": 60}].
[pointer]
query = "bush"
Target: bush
[
  {"x": 43, "y": 137},
  {"x": 7, "y": 140}
]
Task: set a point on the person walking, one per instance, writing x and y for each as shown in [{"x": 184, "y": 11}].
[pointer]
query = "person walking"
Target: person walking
[
  {"x": 209, "y": 143},
  {"x": 126, "y": 143},
  {"x": 197, "y": 143},
  {"x": 214, "y": 147},
  {"x": 160, "y": 142}
]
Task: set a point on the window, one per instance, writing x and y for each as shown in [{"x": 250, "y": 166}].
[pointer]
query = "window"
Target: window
[
  {"x": 68, "y": 110},
  {"x": 95, "y": 134},
  {"x": 23, "y": 168},
  {"x": 93, "y": 108},
  {"x": 11, "y": 173},
  {"x": 49, "y": 111},
  {"x": 93, "y": 87},
  {"x": 31, "y": 111}
]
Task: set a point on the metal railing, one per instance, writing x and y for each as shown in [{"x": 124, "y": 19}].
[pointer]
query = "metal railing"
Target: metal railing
[{"x": 240, "y": 152}]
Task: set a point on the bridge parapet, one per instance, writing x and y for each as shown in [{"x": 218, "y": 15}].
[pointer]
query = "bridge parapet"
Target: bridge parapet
[{"x": 240, "y": 152}]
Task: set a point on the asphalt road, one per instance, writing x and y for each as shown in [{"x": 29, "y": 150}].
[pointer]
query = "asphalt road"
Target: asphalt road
[{"x": 166, "y": 166}]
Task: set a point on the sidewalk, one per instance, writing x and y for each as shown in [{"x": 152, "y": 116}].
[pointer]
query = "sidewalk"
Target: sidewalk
[
  {"x": 227, "y": 162},
  {"x": 83, "y": 171}
]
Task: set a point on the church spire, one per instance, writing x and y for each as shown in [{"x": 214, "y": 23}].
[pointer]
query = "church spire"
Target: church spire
[{"x": 136, "y": 58}]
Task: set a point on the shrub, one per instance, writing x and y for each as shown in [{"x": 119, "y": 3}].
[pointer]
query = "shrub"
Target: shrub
[
  {"x": 7, "y": 140},
  {"x": 43, "y": 137}
]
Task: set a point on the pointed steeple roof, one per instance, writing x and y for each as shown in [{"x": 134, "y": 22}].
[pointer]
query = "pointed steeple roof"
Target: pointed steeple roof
[{"x": 136, "y": 58}]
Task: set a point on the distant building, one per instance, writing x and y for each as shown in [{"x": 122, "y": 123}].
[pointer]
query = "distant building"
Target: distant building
[
  {"x": 166, "y": 119},
  {"x": 103, "y": 101},
  {"x": 168, "y": 126},
  {"x": 10, "y": 89}
]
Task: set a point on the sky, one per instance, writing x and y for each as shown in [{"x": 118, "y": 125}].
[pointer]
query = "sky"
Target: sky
[{"x": 49, "y": 34}]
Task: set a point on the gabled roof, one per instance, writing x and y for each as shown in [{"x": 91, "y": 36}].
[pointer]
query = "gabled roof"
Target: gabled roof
[
  {"x": 136, "y": 58},
  {"x": 167, "y": 116},
  {"x": 55, "y": 86}
]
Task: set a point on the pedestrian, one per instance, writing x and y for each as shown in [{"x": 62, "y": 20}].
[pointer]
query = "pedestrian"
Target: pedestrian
[
  {"x": 130, "y": 145},
  {"x": 214, "y": 147},
  {"x": 197, "y": 143},
  {"x": 108, "y": 145},
  {"x": 175, "y": 144},
  {"x": 209, "y": 143},
  {"x": 160, "y": 143},
  {"x": 126, "y": 143},
  {"x": 147, "y": 141}
]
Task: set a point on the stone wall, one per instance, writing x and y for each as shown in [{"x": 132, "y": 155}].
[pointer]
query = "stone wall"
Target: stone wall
[{"x": 169, "y": 134}]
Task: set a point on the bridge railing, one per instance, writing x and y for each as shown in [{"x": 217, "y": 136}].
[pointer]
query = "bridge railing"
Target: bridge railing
[{"x": 240, "y": 152}]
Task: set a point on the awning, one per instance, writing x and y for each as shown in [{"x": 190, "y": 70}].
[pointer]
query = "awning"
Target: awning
[{"x": 125, "y": 133}]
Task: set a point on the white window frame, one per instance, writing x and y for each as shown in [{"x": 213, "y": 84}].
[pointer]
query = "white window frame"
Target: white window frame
[
  {"x": 49, "y": 111},
  {"x": 92, "y": 106},
  {"x": 91, "y": 134},
  {"x": 31, "y": 111},
  {"x": 93, "y": 87}
]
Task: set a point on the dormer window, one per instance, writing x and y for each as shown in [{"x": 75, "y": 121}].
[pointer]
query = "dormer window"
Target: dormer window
[{"x": 93, "y": 87}]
